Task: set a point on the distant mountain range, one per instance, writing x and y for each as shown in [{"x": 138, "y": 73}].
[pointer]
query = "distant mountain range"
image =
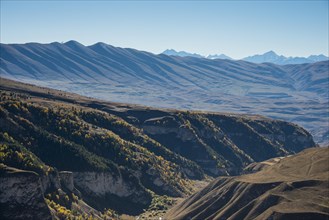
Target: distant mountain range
[
  {"x": 295, "y": 93},
  {"x": 172, "y": 52},
  {"x": 269, "y": 57},
  {"x": 219, "y": 56},
  {"x": 272, "y": 57}
]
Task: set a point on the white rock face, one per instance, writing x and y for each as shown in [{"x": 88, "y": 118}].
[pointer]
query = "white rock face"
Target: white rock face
[
  {"x": 101, "y": 183},
  {"x": 66, "y": 178},
  {"x": 21, "y": 197},
  {"x": 50, "y": 181}
]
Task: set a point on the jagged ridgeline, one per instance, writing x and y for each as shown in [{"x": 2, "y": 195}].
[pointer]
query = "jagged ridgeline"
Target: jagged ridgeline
[{"x": 120, "y": 156}]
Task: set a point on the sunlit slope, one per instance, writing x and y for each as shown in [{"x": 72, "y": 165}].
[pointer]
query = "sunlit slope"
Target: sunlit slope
[{"x": 295, "y": 187}]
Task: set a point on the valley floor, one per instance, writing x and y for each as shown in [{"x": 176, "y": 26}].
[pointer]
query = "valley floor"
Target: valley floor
[{"x": 162, "y": 204}]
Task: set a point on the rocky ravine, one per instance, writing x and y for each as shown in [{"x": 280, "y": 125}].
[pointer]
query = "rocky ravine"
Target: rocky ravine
[
  {"x": 222, "y": 144},
  {"x": 117, "y": 156}
]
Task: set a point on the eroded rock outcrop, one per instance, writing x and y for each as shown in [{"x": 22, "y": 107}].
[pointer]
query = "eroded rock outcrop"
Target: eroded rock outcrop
[
  {"x": 103, "y": 189},
  {"x": 21, "y": 195},
  {"x": 102, "y": 183},
  {"x": 50, "y": 182},
  {"x": 66, "y": 178}
]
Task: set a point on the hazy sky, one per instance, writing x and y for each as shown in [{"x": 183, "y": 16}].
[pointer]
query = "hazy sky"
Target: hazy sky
[{"x": 235, "y": 28}]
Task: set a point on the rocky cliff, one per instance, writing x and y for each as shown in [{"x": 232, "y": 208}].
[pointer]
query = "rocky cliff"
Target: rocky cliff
[
  {"x": 102, "y": 189},
  {"x": 21, "y": 195},
  {"x": 28, "y": 195}
]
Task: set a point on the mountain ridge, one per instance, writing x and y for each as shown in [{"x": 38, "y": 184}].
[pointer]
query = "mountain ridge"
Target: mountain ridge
[
  {"x": 172, "y": 52},
  {"x": 272, "y": 57},
  {"x": 296, "y": 93},
  {"x": 267, "y": 57}
]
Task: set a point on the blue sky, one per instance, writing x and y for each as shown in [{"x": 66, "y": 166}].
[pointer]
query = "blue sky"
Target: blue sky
[{"x": 235, "y": 28}]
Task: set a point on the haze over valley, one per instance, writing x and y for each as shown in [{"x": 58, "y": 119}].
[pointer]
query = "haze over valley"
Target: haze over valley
[{"x": 295, "y": 93}]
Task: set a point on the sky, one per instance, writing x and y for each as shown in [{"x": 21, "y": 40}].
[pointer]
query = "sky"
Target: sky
[{"x": 235, "y": 28}]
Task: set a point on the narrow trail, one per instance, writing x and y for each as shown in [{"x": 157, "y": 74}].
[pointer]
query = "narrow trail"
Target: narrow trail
[{"x": 311, "y": 164}]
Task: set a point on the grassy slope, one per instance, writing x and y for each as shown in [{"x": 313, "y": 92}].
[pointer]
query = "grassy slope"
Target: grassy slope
[{"x": 293, "y": 188}]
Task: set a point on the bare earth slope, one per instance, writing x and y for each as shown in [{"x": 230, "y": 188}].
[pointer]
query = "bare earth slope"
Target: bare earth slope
[{"x": 295, "y": 187}]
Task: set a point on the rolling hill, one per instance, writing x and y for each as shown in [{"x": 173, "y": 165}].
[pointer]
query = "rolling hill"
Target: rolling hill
[
  {"x": 295, "y": 187},
  {"x": 296, "y": 93}
]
